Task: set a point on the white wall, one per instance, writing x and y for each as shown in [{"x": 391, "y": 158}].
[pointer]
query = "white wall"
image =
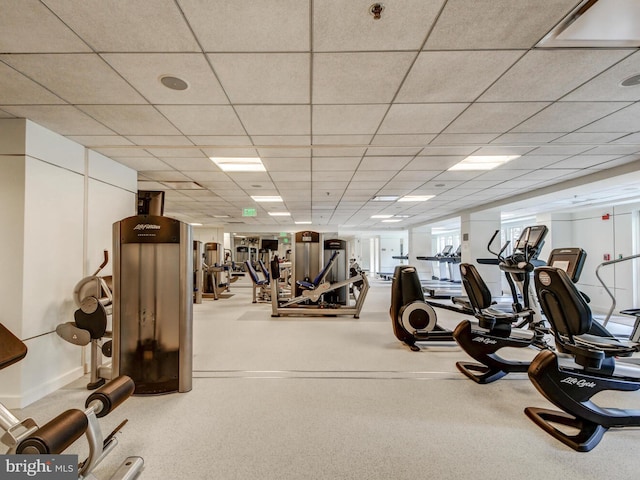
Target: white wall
[
  {"x": 615, "y": 238},
  {"x": 59, "y": 202}
]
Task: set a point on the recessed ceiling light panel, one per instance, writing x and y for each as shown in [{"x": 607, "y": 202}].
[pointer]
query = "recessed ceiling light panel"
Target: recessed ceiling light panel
[
  {"x": 483, "y": 162},
  {"x": 415, "y": 198},
  {"x": 266, "y": 198},
  {"x": 239, "y": 164}
]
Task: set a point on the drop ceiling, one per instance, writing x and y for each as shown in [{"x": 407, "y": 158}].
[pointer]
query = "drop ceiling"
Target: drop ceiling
[{"x": 341, "y": 107}]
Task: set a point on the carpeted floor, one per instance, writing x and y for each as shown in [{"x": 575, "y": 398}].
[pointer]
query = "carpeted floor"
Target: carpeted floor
[{"x": 339, "y": 398}]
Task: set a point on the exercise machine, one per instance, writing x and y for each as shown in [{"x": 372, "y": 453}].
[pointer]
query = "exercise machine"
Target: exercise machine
[
  {"x": 450, "y": 286},
  {"x": 153, "y": 303},
  {"x": 634, "y": 312},
  {"x": 261, "y": 291},
  {"x": 93, "y": 297},
  {"x": 413, "y": 319},
  {"x": 26, "y": 437},
  {"x": 498, "y": 329},
  {"x": 584, "y": 365},
  {"x": 311, "y": 299},
  {"x": 218, "y": 276}
]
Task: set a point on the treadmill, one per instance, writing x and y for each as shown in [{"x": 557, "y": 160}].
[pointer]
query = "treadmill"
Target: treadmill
[{"x": 449, "y": 284}]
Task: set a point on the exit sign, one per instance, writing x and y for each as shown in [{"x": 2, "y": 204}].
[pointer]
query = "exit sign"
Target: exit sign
[{"x": 249, "y": 212}]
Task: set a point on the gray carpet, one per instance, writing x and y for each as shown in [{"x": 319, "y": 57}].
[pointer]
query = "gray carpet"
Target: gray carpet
[{"x": 333, "y": 399}]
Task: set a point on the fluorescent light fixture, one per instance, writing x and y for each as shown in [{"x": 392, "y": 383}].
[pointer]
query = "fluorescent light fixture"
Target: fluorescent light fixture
[
  {"x": 415, "y": 198},
  {"x": 392, "y": 220},
  {"x": 239, "y": 164},
  {"x": 381, "y": 216},
  {"x": 385, "y": 198},
  {"x": 303, "y": 222},
  {"x": 266, "y": 198},
  {"x": 196, "y": 224},
  {"x": 483, "y": 162},
  {"x": 221, "y": 216},
  {"x": 280, "y": 214}
]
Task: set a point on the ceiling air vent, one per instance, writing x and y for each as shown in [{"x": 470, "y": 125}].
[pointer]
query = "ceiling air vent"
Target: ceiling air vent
[{"x": 598, "y": 23}]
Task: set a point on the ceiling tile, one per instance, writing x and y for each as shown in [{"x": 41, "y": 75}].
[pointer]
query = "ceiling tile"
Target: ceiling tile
[
  {"x": 287, "y": 164},
  {"x": 252, "y": 78},
  {"x": 337, "y": 77},
  {"x": 96, "y": 141},
  {"x": 526, "y": 138},
  {"x": 145, "y": 70},
  {"x": 383, "y": 163},
  {"x": 17, "y": 89},
  {"x": 131, "y": 119},
  {"x": 347, "y": 119},
  {"x": 593, "y": 138},
  {"x": 547, "y": 75},
  {"x": 109, "y": 29},
  {"x": 463, "y": 139},
  {"x": 79, "y": 78},
  {"x": 373, "y": 175},
  {"x": 142, "y": 164},
  {"x": 284, "y": 151},
  {"x": 62, "y": 119},
  {"x": 402, "y": 140},
  {"x": 624, "y": 120},
  {"x": 502, "y": 24},
  {"x": 393, "y": 151},
  {"x": 334, "y": 164},
  {"x": 607, "y": 86},
  {"x": 404, "y": 25},
  {"x": 329, "y": 151},
  {"x": 493, "y": 117},
  {"x": 176, "y": 152},
  {"x": 532, "y": 162},
  {"x": 247, "y": 25},
  {"x": 301, "y": 176},
  {"x": 227, "y": 140},
  {"x": 422, "y": 175},
  {"x": 275, "y": 119},
  {"x": 568, "y": 116},
  {"x": 454, "y": 76},
  {"x": 583, "y": 161},
  {"x": 203, "y": 119},
  {"x": 21, "y": 18},
  {"x": 437, "y": 163},
  {"x": 420, "y": 118},
  {"x": 191, "y": 164}
]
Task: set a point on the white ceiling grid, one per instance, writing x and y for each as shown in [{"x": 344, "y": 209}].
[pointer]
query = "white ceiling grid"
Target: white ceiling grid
[{"x": 341, "y": 107}]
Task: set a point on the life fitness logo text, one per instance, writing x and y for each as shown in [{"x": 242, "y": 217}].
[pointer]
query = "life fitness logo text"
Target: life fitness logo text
[
  {"x": 486, "y": 341},
  {"x": 577, "y": 383},
  {"x": 143, "y": 227}
]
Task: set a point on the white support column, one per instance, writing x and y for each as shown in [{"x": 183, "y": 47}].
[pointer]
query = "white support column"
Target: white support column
[
  {"x": 420, "y": 246},
  {"x": 476, "y": 230}
]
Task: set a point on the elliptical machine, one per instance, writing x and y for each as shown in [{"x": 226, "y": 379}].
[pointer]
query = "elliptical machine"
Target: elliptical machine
[
  {"x": 413, "y": 319},
  {"x": 497, "y": 329}
]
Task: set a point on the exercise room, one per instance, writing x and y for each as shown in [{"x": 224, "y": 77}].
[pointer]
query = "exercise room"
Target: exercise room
[{"x": 319, "y": 239}]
